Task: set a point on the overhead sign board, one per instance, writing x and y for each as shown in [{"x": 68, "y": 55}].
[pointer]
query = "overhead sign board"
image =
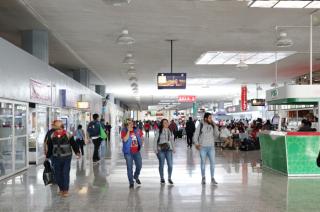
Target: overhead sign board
[{"x": 186, "y": 98}]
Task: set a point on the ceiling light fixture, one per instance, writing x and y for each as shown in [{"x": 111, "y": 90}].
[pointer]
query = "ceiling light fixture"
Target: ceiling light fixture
[
  {"x": 242, "y": 65},
  {"x": 133, "y": 79},
  {"x": 283, "y": 41},
  {"x": 117, "y": 3},
  {"x": 134, "y": 85},
  {"x": 129, "y": 60},
  {"x": 131, "y": 71},
  {"x": 292, "y": 4},
  {"x": 274, "y": 85},
  {"x": 285, "y": 4},
  {"x": 232, "y": 58},
  {"x": 125, "y": 38}
]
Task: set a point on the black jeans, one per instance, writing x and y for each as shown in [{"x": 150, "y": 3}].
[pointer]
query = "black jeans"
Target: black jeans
[
  {"x": 96, "y": 143},
  {"x": 80, "y": 144},
  {"x": 189, "y": 139}
]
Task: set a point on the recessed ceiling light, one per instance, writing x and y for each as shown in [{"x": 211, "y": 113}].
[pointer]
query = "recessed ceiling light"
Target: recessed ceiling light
[
  {"x": 209, "y": 81},
  {"x": 313, "y": 5},
  {"x": 291, "y": 4},
  {"x": 262, "y": 4},
  {"x": 232, "y": 58}
]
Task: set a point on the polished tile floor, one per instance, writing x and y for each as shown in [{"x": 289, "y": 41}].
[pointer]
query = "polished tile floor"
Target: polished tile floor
[{"x": 243, "y": 186}]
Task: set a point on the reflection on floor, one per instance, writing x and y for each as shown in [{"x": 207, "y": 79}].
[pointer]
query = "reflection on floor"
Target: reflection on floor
[{"x": 243, "y": 186}]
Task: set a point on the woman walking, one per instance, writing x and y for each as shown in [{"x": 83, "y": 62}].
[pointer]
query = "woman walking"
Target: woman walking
[
  {"x": 164, "y": 147},
  {"x": 80, "y": 138},
  {"x": 59, "y": 147}
]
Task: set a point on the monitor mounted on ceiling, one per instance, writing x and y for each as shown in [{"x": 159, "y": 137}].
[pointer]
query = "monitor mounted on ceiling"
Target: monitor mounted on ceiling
[{"x": 172, "y": 80}]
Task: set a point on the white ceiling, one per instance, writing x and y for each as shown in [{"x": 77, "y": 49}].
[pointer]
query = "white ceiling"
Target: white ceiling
[{"x": 90, "y": 29}]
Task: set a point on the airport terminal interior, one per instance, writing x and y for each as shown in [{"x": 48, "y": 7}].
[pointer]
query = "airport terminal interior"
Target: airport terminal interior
[{"x": 159, "y": 105}]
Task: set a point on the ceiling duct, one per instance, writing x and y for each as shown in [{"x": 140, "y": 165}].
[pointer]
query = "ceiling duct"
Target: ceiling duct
[
  {"x": 117, "y": 2},
  {"x": 125, "y": 38}
]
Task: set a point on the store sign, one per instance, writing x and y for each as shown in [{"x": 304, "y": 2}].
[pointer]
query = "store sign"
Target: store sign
[
  {"x": 186, "y": 98},
  {"x": 83, "y": 105},
  {"x": 244, "y": 98},
  {"x": 274, "y": 93},
  {"x": 231, "y": 109},
  {"x": 40, "y": 91}
]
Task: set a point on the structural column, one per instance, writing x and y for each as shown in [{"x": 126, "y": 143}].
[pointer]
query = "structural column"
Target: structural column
[{"x": 36, "y": 43}]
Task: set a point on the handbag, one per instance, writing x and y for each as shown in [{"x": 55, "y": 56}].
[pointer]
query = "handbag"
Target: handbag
[
  {"x": 103, "y": 134},
  {"x": 164, "y": 147}
]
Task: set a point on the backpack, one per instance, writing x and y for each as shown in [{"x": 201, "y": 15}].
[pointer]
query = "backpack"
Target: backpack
[
  {"x": 201, "y": 126},
  {"x": 94, "y": 129}
]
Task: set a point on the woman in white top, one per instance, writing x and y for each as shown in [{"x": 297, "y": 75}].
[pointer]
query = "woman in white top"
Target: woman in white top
[{"x": 164, "y": 147}]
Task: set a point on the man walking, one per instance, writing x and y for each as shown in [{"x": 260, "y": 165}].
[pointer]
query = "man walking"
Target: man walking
[
  {"x": 190, "y": 128},
  {"x": 94, "y": 133},
  {"x": 204, "y": 137}
]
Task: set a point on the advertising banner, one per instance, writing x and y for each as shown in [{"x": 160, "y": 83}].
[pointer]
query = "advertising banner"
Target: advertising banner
[{"x": 244, "y": 98}]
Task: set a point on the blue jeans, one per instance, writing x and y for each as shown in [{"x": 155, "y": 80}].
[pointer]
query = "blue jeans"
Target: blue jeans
[
  {"x": 136, "y": 157},
  {"x": 207, "y": 151},
  {"x": 62, "y": 172},
  {"x": 162, "y": 156}
]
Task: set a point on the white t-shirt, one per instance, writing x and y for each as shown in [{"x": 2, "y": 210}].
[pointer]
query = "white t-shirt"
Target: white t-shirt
[{"x": 225, "y": 133}]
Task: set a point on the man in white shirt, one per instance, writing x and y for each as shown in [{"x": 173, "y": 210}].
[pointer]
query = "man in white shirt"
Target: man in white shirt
[{"x": 226, "y": 137}]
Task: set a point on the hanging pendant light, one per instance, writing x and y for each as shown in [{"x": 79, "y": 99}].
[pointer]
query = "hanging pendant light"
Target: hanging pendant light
[
  {"x": 125, "y": 38},
  {"x": 242, "y": 65},
  {"x": 132, "y": 71},
  {"x": 283, "y": 41},
  {"x": 129, "y": 60}
]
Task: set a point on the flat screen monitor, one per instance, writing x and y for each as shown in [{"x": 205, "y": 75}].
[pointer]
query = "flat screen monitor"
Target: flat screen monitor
[
  {"x": 258, "y": 102},
  {"x": 172, "y": 80}
]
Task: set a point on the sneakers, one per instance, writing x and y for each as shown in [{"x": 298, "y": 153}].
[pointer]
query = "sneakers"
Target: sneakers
[
  {"x": 131, "y": 186},
  {"x": 138, "y": 181},
  {"x": 170, "y": 182},
  {"x": 214, "y": 182},
  {"x": 162, "y": 181},
  {"x": 203, "y": 181},
  {"x": 65, "y": 194}
]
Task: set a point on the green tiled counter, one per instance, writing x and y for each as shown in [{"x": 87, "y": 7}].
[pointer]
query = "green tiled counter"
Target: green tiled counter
[{"x": 293, "y": 154}]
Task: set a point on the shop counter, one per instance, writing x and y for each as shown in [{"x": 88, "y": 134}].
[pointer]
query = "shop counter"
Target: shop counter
[{"x": 290, "y": 153}]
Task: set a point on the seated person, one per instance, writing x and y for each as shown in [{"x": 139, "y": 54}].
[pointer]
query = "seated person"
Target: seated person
[
  {"x": 225, "y": 136},
  {"x": 306, "y": 126}
]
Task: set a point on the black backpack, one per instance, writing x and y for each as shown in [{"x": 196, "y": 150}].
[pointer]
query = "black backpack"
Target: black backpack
[{"x": 94, "y": 129}]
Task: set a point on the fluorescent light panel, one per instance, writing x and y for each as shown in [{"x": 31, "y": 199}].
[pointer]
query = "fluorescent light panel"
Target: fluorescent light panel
[
  {"x": 285, "y": 4},
  {"x": 209, "y": 81},
  {"x": 262, "y": 4},
  {"x": 313, "y": 5},
  {"x": 292, "y": 4},
  {"x": 250, "y": 58}
]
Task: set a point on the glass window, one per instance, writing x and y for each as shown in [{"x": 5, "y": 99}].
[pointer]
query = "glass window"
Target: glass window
[
  {"x": 5, "y": 157},
  {"x": 20, "y": 121},
  {"x": 42, "y": 128},
  {"x": 21, "y": 153},
  {"x": 5, "y": 120}
]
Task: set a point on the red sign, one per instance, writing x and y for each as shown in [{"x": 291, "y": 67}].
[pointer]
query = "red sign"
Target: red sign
[
  {"x": 244, "y": 98},
  {"x": 185, "y": 98}
]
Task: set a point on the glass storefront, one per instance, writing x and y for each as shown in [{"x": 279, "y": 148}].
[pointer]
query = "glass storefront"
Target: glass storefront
[{"x": 13, "y": 137}]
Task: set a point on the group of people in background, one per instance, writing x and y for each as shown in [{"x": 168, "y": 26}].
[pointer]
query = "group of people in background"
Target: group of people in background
[{"x": 204, "y": 134}]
